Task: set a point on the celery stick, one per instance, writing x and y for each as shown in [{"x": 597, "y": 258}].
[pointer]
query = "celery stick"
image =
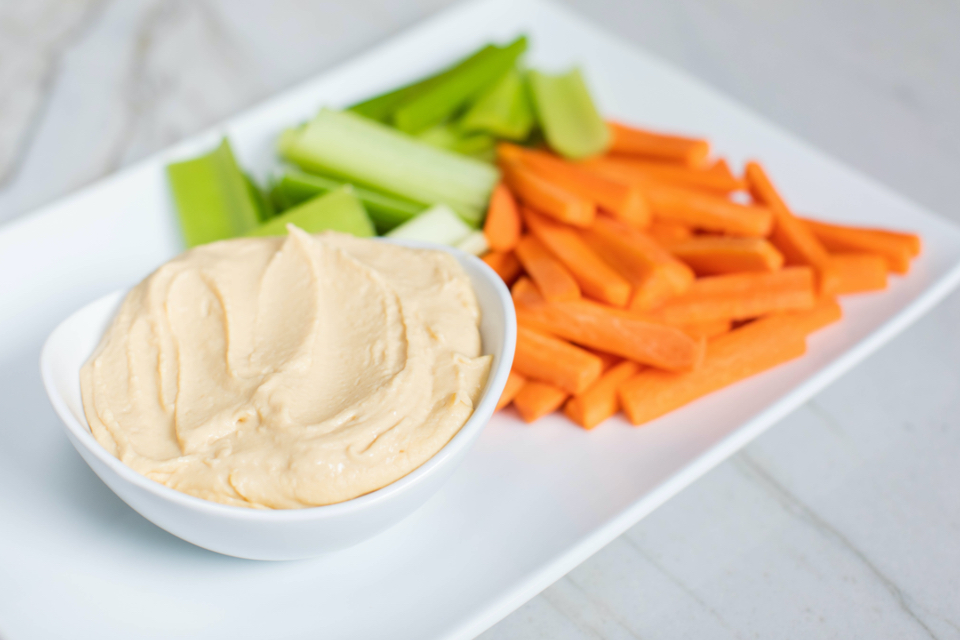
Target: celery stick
[
  {"x": 504, "y": 110},
  {"x": 212, "y": 197},
  {"x": 386, "y": 211},
  {"x": 449, "y": 136},
  {"x": 475, "y": 243},
  {"x": 439, "y": 102},
  {"x": 265, "y": 208},
  {"x": 567, "y": 114},
  {"x": 438, "y": 224},
  {"x": 338, "y": 210},
  {"x": 368, "y": 153},
  {"x": 382, "y": 107}
]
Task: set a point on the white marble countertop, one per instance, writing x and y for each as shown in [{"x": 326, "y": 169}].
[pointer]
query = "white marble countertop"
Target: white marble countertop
[{"x": 841, "y": 521}]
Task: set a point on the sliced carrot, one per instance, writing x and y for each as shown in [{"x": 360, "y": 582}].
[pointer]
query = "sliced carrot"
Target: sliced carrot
[
  {"x": 515, "y": 382},
  {"x": 709, "y": 329},
  {"x": 552, "y": 278},
  {"x": 600, "y": 401},
  {"x": 537, "y": 399},
  {"x": 621, "y": 199},
  {"x": 502, "y": 226},
  {"x": 612, "y": 330},
  {"x": 790, "y": 235},
  {"x": 710, "y": 255},
  {"x": 632, "y": 141},
  {"x": 546, "y": 197},
  {"x": 716, "y": 178},
  {"x": 737, "y": 283},
  {"x": 709, "y": 212},
  {"x": 859, "y": 272},
  {"x": 897, "y": 248},
  {"x": 525, "y": 292},
  {"x": 547, "y": 359},
  {"x": 655, "y": 274},
  {"x": 595, "y": 277},
  {"x": 746, "y": 351},
  {"x": 668, "y": 233},
  {"x": 608, "y": 359},
  {"x": 506, "y": 265},
  {"x": 825, "y": 312}
]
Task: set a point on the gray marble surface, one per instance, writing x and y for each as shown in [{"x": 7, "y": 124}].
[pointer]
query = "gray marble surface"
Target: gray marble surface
[{"x": 843, "y": 521}]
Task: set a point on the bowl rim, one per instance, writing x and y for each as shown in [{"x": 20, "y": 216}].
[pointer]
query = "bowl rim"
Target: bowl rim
[{"x": 475, "y": 423}]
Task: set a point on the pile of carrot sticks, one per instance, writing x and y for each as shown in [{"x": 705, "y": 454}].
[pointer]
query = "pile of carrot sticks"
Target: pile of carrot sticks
[{"x": 650, "y": 276}]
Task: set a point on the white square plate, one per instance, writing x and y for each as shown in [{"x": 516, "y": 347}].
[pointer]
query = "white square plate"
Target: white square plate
[{"x": 527, "y": 505}]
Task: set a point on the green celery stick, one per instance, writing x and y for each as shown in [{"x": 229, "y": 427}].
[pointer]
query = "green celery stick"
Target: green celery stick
[
  {"x": 504, "y": 110},
  {"x": 367, "y": 153},
  {"x": 386, "y": 211},
  {"x": 265, "y": 208},
  {"x": 382, "y": 107},
  {"x": 475, "y": 243},
  {"x": 213, "y": 199},
  {"x": 567, "y": 114},
  {"x": 442, "y": 100},
  {"x": 338, "y": 210},
  {"x": 438, "y": 224},
  {"x": 449, "y": 136}
]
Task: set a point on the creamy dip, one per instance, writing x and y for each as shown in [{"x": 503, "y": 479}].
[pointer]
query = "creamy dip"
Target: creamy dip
[{"x": 288, "y": 372}]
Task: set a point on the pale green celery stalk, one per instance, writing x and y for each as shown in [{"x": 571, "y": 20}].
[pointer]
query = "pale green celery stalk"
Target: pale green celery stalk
[
  {"x": 370, "y": 154},
  {"x": 338, "y": 210},
  {"x": 213, "y": 199},
  {"x": 386, "y": 211},
  {"x": 567, "y": 115},
  {"x": 265, "y": 208},
  {"x": 475, "y": 243},
  {"x": 438, "y": 224},
  {"x": 503, "y": 111},
  {"x": 449, "y": 136},
  {"x": 439, "y": 102},
  {"x": 382, "y": 107}
]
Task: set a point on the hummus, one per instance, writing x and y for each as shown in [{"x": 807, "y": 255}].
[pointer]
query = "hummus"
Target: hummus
[{"x": 288, "y": 372}]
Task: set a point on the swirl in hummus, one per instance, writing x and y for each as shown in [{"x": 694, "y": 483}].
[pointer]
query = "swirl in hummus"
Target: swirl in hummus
[{"x": 288, "y": 372}]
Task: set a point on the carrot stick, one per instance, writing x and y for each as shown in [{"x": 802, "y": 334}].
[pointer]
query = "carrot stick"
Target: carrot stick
[
  {"x": 655, "y": 274},
  {"x": 896, "y": 248},
  {"x": 607, "y": 359},
  {"x": 515, "y": 382},
  {"x": 746, "y": 351},
  {"x": 710, "y": 255},
  {"x": 506, "y": 265},
  {"x": 600, "y": 401},
  {"x": 552, "y": 278},
  {"x": 537, "y": 399},
  {"x": 740, "y": 283},
  {"x": 621, "y": 199},
  {"x": 790, "y": 235},
  {"x": 595, "y": 277},
  {"x": 709, "y": 212},
  {"x": 825, "y": 312},
  {"x": 525, "y": 292},
  {"x": 860, "y": 272},
  {"x": 502, "y": 226},
  {"x": 715, "y": 179},
  {"x": 612, "y": 330},
  {"x": 548, "y": 359},
  {"x": 631, "y": 141},
  {"x": 707, "y": 330},
  {"x": 667, "y": 233},
  {"x": 547, "y": 197}
]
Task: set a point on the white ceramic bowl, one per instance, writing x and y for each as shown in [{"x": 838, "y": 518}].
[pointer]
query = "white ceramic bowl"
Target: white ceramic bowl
[{"x": 267, "y": 534}]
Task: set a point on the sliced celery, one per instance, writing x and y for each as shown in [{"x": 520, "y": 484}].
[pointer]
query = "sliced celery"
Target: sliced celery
[
  {"x": 213, "y": 198},
  {"x": 437, "y": 224},
  {"x": 265, "y": 208},
  {"x": 368, "y": 153},
  {"x": 338, "y": 210},
  {"x": 449, "y": 136},
  {"x": 440, "y": 101},
  {"x": 567, "y": 114},
  {"x": 504, "y": 110},
  {"x": 382, "y": 107},
  {"x": 386, "y": 211},
  {"x": 475, "y": 243}
]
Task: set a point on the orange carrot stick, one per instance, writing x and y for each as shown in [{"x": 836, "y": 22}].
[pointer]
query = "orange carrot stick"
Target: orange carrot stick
[
  {"x": 537, "y": 399},
  {"x": 546, "y": 196},
  {"x": 525, "y": 292},
  {"x": 552, "y": 278},
  {"x": 707, "y": 330},
  {"x": 621, "y": 199},
  {"x": 595, "y": 277},
  {"x": 548, "y": 359},
  {"x": 711, "y": 255},
  {"x": 608, "y": 359},
  {"x": 612, "y": 330},
  {"x": 746, "y": 351},
  {"x": 600, "y": 401},
  {"x": 860, "y": 272},
  {"x": 655, "y": 274},
  {"x": 631, "y": 141},
  {"x": 515, "y": 382},
  {"x": 897, "y": 248},
  {"x": 502, "y": 226},
  {"x": 715, "y": 179},
  {"x": 506, "y": 265},
  {"x": 667, "y": 233},
  {"x": 790, "y": 235},
  {"x": 709, "y": 212},
  {"x": 738, "y": 283},
  {"x": 825, "y": 312}
]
